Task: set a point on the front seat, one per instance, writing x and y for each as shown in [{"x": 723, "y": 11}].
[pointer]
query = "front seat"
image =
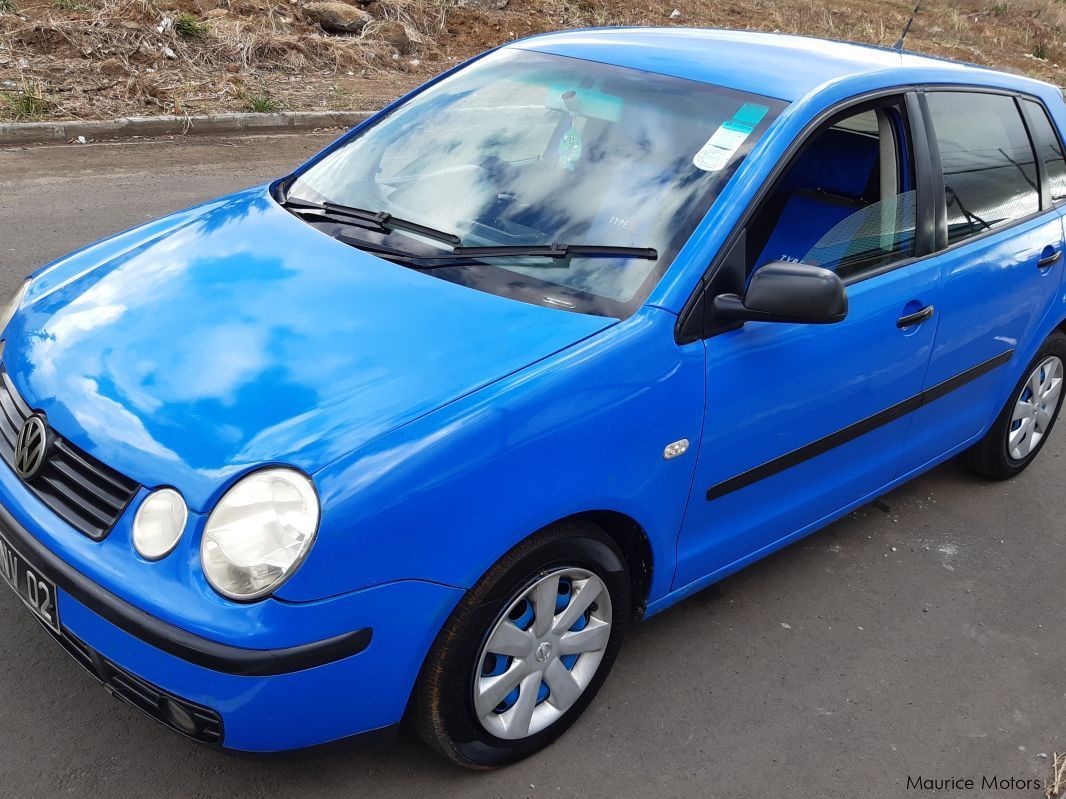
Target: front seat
[{"x": 831, "y": 180}]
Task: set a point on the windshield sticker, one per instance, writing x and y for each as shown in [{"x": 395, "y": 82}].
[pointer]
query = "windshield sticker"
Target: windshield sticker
[
  {"x": 731, "y": 134},
  {"x": 751, "y": 114}
]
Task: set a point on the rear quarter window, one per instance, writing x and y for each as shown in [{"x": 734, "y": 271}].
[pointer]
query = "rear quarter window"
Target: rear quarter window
[{"x": 1048, "y": 148}]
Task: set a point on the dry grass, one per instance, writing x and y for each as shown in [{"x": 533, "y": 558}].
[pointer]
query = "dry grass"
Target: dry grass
[
  {"x": 134, "y": 56},
  {"x": 102, "y": 58},
  {"x": 1056, "y": 784}
]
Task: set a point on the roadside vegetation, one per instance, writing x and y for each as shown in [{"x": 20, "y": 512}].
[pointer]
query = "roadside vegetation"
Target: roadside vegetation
[{"x": 83, "y": 59}]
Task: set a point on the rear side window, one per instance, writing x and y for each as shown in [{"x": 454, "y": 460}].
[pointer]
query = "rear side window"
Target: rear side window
[
  {"x": 1049, "y": 148},
  {"x": 990, "y": 176}
]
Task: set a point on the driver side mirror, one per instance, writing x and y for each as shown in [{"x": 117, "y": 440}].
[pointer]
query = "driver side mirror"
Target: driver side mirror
[{"x": 781, "y": 291}]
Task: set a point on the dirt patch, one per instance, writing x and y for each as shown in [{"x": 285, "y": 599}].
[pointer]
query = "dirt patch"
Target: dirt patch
[{"x": 92, "y": 59}]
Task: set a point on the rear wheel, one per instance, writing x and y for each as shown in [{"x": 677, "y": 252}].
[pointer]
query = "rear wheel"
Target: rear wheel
[
  {"x": 1025, "y": 423},
  {"x": 527, "y": 649}
]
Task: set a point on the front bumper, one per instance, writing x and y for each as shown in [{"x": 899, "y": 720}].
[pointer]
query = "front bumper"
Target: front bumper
[{"x": 252, "y": 699}]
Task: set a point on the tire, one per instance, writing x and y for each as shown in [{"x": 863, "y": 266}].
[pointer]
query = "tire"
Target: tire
[
  {"x": 994, "y": 456},
  {"x": 461, "y": 663}
]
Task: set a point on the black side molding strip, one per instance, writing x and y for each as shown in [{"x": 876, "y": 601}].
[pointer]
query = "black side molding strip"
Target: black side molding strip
[
  {"x": 173, "y": 640},
  {"x": 860, "y": 428},
  {"x": 960, "y": 380}
]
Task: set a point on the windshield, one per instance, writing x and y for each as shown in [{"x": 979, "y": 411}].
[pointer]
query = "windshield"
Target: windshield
[{"x": 529, "y": 149}]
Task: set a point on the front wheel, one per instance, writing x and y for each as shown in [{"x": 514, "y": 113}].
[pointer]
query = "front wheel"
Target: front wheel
[
  {"x": 526, "y": 649},
  {"x": 1024, "y": 424}
]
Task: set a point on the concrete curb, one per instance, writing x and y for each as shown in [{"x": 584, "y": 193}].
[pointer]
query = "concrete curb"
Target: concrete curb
[{"x": 207, "y": 124}]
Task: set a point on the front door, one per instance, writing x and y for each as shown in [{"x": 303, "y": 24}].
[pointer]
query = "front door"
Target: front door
[{"x": 803, "y": 420}]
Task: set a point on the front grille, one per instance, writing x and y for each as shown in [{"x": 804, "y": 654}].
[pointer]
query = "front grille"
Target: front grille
[
  {"x": 83, "y": 492},
  {"x": 199, "y": 723}
]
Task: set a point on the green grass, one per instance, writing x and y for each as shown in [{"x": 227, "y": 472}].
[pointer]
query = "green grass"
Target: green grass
[
  {"x": 28, "y": 103},
  {"x": 999, "y": 9},
  {"x": 189, "y": 27},
  {"x": 69, "y": 5},
  {"x": 7, "y": 5},
  {"x": 262, "y": 104},
  {"x": 1041, "y": 50}
]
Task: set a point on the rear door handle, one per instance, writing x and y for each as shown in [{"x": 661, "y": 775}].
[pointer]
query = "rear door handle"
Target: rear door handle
[
  {"x": 916, "y": 318},
  {"x": 1051, "y": 255}
]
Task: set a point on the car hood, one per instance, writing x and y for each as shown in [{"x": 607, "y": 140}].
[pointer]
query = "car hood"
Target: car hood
[{"x": 202, "y": 346}]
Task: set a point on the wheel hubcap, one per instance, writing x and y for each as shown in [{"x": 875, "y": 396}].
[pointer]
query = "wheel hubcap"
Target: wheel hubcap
[
  {"x": 1035, "y": 408},
  {"x": 542, "y": 653}
]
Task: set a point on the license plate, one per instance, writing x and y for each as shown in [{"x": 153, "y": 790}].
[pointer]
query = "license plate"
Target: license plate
[{"x": 38, "y": 593}]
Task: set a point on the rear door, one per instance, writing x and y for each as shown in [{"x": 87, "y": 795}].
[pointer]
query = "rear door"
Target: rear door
[{"x": 1001, "y": 257}]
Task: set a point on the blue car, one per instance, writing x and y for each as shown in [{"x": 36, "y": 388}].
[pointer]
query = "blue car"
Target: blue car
[{"x": 569, "y": 333}]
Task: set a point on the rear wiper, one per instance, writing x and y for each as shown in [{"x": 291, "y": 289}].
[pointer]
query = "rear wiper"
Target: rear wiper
[{"x": 381, "y": 220}]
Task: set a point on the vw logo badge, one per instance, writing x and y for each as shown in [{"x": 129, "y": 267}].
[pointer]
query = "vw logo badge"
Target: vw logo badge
[{"x": 30, "y": 447}]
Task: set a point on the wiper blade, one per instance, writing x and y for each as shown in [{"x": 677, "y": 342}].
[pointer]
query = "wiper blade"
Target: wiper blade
[
  {"x": 557, "y": 252},
  {"x": 467, "y": 256},
  {"x": 382, "y": 220}
]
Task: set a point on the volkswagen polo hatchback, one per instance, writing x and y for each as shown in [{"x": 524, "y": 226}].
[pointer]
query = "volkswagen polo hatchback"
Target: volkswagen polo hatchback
[{"x": 560, "y": 338}]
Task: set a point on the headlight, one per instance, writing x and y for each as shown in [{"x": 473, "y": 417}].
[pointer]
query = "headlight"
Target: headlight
[
  {"x": 13, "y": 305},
  {"x": 159, "y": 523},
  {"x": 259, "y": 532}
]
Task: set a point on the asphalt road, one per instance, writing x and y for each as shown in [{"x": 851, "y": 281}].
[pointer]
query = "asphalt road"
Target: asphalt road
[{"x": 920, "y": 636}]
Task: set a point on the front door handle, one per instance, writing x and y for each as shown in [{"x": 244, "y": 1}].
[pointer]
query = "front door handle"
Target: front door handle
[
  {"x": 916, "y": 318},
  {"x": 1051, "y": 255}
]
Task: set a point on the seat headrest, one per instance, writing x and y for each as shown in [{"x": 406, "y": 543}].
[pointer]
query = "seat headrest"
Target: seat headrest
[{"x": 837, "y": 162}]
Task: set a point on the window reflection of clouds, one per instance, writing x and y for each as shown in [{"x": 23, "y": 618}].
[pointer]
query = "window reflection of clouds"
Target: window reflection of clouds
[
  {"x": 263, "y": 336},
  {"x": 480, "y": 154},
  {"x": 213, "y": 355}
]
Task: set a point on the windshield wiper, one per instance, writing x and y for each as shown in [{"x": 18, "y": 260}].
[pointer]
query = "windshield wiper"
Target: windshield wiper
[
  {"x": 471, "y": 256},
  {"x": 557, "y": 252},
  {"x": 468, "y": 256},
  {"x": 381, "y": 220}
]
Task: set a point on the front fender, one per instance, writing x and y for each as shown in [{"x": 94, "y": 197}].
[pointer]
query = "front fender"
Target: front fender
[{"x": 444, "y": 497}]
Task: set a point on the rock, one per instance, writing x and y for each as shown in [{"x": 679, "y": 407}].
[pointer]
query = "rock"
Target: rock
[
  {"x": 147, "y": 52},
  {"x": 337, "y": 17},
  {"x": 113, "y": 67},
  {"x": 395, "y": 34}
]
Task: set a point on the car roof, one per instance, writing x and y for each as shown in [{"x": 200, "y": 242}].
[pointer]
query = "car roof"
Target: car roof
[{"x": 774, "y": 65}]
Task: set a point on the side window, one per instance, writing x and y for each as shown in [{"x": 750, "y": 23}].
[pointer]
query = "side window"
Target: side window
[
  {"x": 1049, "y": 148},
  {"x": 846, "y": 202},
  {"x": 990, "y": 176}
]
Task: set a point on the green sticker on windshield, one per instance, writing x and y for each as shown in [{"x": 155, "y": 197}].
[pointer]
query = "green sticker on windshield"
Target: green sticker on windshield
[
  {"x": 751, "y": 114},
  {"x": 731, "y": 134}
]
